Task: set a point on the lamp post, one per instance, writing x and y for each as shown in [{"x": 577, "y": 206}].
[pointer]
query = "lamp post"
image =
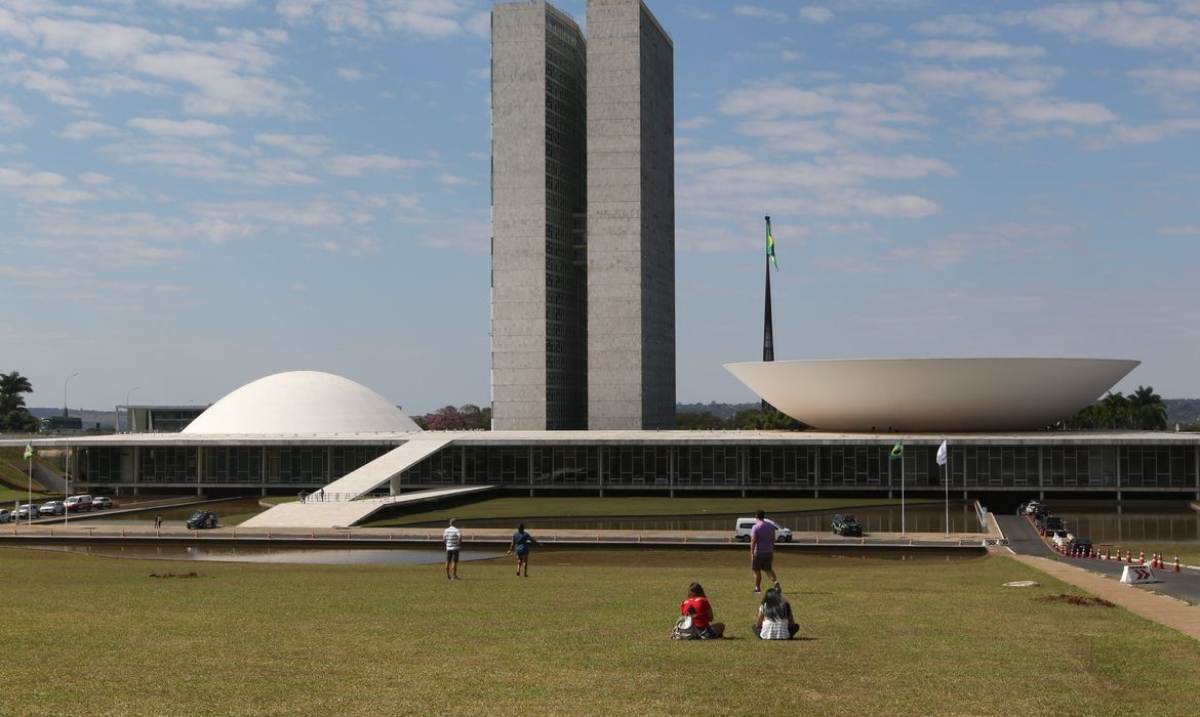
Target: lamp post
[
  {"x": 67, "y": 452},
  {"x": 127, "y": 413}
]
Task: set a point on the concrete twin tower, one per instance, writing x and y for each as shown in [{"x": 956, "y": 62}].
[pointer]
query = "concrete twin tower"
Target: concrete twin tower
[{"x": 583, "y": 219}]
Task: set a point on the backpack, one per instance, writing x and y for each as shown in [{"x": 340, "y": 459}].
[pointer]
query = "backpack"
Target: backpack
[{"x": 685, "y": 629}]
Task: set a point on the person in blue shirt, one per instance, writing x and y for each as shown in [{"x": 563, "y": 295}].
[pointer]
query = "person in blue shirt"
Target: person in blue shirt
[{"x": 520, "y": 544}]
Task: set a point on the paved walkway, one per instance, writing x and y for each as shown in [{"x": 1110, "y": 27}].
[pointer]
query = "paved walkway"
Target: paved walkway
[
  {"x": 1172, "y": 601},
  {"x": 1169, "y": 611}
]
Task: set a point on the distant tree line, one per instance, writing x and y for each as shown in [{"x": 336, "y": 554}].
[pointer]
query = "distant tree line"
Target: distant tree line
[{"x": 1143, "y": 410}]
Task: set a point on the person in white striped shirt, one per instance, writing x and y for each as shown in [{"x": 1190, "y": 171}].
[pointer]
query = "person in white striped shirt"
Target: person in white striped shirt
[{"x": 453, "y": 538}]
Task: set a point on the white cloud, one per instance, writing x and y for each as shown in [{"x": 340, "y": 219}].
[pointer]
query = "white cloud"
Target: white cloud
[
  {"x": 816, "y": 13},
  {"x": 426, "y": 19},
  {"x": 94, "y": 178},
  {"x": 206, "y": 5},
  {"x": 86, "y": 130},
  {"x": 305, "y": 145},
  {"x": 760, "y": 12},
  {"x": 11, "y": 116},
  {"x": 349, "y": 74},
  {"x": 194, "y": 129},
  {"x": 1133, "y": 24},
  {"x": 16, "y": 179},
  {"x": 1147, "y": 133},
  {"x": 453, "y": 180},
  {"x": 1052, "y": 110},
  {"x": 954, "y": 25},
  {"x": 966, "y": 50},
  {"x": 347, "y": 165}
]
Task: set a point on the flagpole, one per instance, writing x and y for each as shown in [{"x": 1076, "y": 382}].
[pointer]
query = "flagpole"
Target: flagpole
[
  {"x": 29, "y": 500},
  {"x": 903, "y": 528},
  {"x": 947, "y": 479}
]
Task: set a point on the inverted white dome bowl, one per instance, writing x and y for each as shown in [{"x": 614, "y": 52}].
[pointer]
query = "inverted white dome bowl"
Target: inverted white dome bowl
[{"x": 972, "y": 394}]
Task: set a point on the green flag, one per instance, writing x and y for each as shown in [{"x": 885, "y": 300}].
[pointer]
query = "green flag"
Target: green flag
[
  {"x": 28, "y": 451},
  {"x": 771, "y": 245},
  {"x": 898, "y": 449}
]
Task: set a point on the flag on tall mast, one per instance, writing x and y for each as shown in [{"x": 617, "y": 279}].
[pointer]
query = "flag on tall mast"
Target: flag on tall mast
[{"x": 771, "y": 245}]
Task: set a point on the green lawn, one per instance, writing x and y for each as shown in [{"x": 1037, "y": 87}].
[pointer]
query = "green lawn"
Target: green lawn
[{"x": 586, "y": 635}]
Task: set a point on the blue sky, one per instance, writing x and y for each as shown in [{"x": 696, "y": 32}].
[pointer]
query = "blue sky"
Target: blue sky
[{"x": 195, "y": 194}]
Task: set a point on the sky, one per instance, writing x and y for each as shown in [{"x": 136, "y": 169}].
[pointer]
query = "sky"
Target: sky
[{"x": 195, "y": 194}]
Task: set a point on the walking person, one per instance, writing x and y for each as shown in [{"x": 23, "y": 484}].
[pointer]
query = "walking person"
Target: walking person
[
  {"x": 453, "y": 538},
  {"x": 762, "y": 550},
  {"x": 157, "y": 522},
  {"x": 520, "y": 543},
  {"x": 775, "y": 620}
]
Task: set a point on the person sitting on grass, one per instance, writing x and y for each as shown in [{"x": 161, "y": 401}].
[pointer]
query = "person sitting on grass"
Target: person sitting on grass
[
  {"x": 775, "y": 620},
  {"x": 700, "y": 609}
]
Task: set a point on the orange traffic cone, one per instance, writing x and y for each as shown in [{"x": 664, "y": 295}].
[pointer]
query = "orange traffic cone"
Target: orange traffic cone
[
  {"x": 1175, "y": 568},
  {"x": 1108, "y": 554},
  {"x": 1142, "y": 558}
]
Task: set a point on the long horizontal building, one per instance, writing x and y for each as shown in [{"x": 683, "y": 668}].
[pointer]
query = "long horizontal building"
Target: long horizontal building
[{"x": 307, "y": 431}]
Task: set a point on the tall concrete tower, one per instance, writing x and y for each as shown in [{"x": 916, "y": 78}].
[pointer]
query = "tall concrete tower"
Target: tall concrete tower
[
  {"x": 630, "y": 218},
  {"x": 539, "y": 183},
  {"x": 583, "y": 219}
]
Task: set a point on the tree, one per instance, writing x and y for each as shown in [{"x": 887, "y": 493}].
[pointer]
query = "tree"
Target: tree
[
  {"x": 476, "y": 418},
  {"x": 446, "y": 418},
  {"x": 698, "y": 421},
  {"x": 1147, "y": 410},
  {"x": 14, "y": 417}
]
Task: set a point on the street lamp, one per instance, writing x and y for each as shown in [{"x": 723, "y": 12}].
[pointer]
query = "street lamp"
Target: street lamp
[
  {"x": 127, "y": 413},
  {"x": 67, "y": 452}
]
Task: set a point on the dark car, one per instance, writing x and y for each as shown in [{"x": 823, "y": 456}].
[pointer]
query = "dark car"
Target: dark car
[
  {"x": 846, "y": 525},
  {"x": 202, "y": 519},
  {"x": 1081, "y": 547},
  {"x": 1051, "y": 523}
]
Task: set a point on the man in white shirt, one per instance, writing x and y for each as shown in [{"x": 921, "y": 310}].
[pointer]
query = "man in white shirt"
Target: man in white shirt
[{"x": 453, "y": 539}]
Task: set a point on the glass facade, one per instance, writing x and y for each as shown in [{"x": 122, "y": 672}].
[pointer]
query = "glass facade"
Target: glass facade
[{"x": 667, "y": 464}]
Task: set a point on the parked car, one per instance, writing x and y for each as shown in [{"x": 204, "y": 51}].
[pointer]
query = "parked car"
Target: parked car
[
  {"x": 78, "y": 503},
  {"x": 52, "y": 507},
  {"x": 1028, "y": 508},
  {"x": 27, "y": 510},
  {"x": 101, "y": 501},
  {"x": 1052, "y": 523},
  {"x": 1061, "y": 538},
  {"x": 846, "y": 524},
  {"x": 202, "y": 519},
  {"x": 1079, "y": 546},
  {"x": 5, "y": 516},
  {"x": 743, "y": 526}
]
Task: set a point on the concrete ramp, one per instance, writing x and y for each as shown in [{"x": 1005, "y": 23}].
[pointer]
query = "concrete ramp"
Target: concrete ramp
[
  {"x": 315, "y": 514},
  {"x": 379, "y": 472}
]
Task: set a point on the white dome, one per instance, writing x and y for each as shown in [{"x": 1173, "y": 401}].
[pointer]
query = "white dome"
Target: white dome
[
  {"x": 302, "y": 402},
  {"x": 979, "y": 394}
]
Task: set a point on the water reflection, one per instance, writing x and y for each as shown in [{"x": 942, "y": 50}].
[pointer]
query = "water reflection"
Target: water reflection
[
  {"x": 923, "y": 518},
  {"x": 1116, "y": 523},
  {"x": 361, "y": 556}
]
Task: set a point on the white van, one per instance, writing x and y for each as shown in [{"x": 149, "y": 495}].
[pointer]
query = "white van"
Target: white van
[{"x": 743, "y": 526}]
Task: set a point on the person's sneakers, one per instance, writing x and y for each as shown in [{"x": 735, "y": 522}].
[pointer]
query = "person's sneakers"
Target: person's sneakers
[{"x": 756, "y": 591}]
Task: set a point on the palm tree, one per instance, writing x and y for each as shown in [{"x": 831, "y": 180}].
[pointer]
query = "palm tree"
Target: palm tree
[
  {"x": 1115, "y": 410},
  {"x": 12, "y": 385},
  {"x": 1147, "y": 410}
]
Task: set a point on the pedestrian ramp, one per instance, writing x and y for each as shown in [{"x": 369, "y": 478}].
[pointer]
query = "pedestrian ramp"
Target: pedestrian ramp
[
  {"x": 349, "y": 499},
  {"x": 314, "y": 514}
]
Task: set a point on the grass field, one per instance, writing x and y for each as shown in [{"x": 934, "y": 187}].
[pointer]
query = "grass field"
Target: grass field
[{"x": 585, "y": 635}]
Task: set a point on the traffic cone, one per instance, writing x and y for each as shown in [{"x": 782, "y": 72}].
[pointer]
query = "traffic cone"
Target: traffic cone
[
  {"x": 1129, "y": 557},
  {"x": 1175, "y": 567},
  {"x": 1118, "y": 555},
  {"x": 1142, "y": 558}
]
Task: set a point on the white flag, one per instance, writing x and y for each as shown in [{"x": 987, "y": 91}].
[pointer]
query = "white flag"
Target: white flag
[{"x": 942, "y": 455}]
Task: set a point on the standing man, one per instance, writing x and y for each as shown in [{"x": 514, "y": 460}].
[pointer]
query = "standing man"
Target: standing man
[
  {"x": 762, "y": 550},
  {"x": 453, "y": 539}
]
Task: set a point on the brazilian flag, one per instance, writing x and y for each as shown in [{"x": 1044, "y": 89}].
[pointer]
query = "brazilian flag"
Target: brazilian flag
[{"x": 898, "y": 449}]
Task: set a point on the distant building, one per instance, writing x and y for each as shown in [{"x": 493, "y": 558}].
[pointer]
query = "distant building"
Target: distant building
[
  {"x": 583, "y": 217},
  {"x": 158, "y": 419}
]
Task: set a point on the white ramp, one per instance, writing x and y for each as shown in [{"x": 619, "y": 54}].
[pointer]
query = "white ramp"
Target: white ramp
[
  {"x": 379, "y": 472},
  {"x": 344, "y": 513}
]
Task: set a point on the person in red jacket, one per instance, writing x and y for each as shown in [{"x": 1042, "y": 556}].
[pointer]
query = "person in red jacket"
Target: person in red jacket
[{"x": 700, "y": 609}]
